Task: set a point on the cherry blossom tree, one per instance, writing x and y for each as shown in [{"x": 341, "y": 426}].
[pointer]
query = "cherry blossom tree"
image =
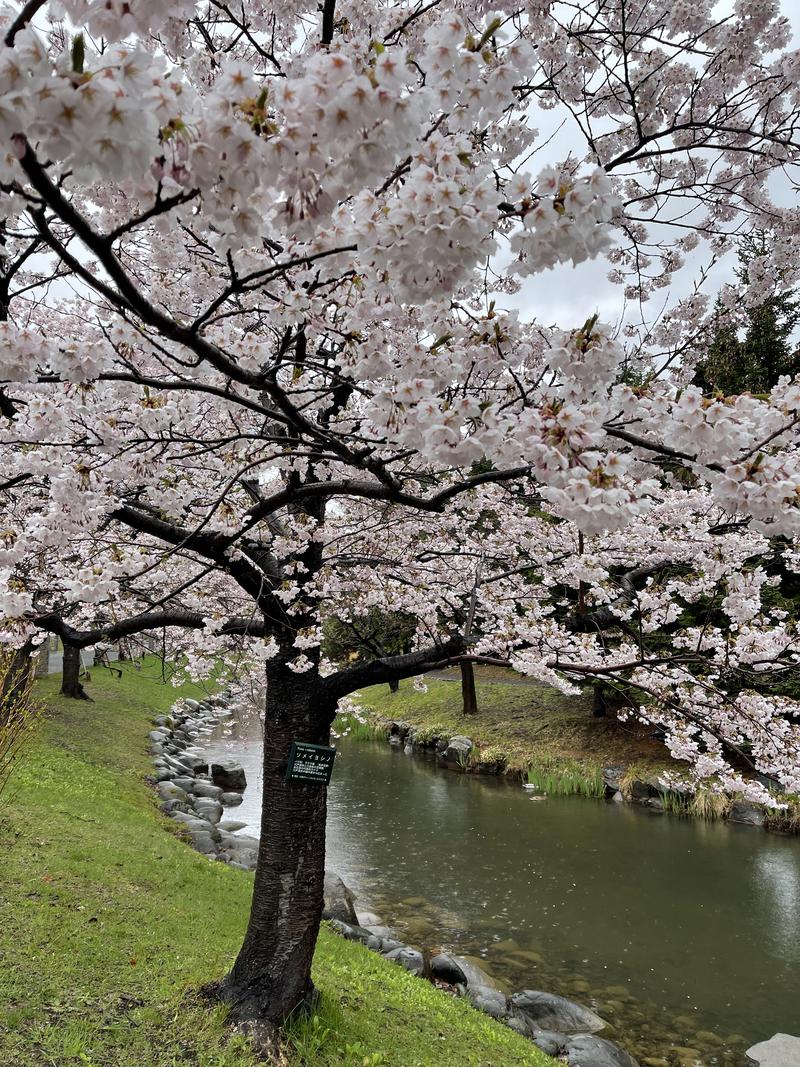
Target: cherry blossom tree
[{"x": 260, "y": 333}]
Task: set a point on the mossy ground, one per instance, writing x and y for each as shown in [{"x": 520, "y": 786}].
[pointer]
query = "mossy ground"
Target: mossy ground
[
  {"x": 528, "y": 727},
  {"x": 110, "y": 924}
]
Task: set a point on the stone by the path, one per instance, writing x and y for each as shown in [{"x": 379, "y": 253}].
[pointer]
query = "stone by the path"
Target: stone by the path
[
  {"x": 782, "y": 1050},
  {"x": 338, "y": 900},
  {"x": 584, "y": 1050},
  {"x": 231, "y": 800},
  {"x": 546, "y": 1011},
  {"x": 229, "y": 776}
]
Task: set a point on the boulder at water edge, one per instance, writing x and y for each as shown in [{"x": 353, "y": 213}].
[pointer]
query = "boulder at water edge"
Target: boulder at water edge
[
  {"x": 782, "y": 1050},
  {"x": 445, "y": 968},
  {"x": 546, "y": 1011},
  {"x": 587, "y": 1051},
  {"x": 338, "y": 900},
  {"x": 230, "y": 777},
  {"x": 489, "y": 1001}
]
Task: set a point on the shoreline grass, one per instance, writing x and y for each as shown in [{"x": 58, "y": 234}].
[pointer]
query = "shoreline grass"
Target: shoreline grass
[{"x": 111, "y": 924}]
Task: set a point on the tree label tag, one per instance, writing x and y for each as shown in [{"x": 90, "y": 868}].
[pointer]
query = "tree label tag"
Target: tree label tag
[{"x": 310, "y": 763}]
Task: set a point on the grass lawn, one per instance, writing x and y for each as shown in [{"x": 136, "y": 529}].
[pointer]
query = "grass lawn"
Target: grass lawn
[
  {"x": 109, "y": 923},
  {"x": 523, "y": 724}
]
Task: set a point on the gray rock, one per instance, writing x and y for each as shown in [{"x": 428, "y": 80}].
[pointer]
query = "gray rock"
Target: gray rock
[
  {"x": 587, "y": 1051},
  {"x": 642, "y": 790},
  {"x": 158, "y": 736},
  {"x": 209, "y": 809},
  {"x": 389, "y": 944},
  {"x": 229, "y": 776},
  {"x": 457, "y": 750},
  {"x": 546, "y": 1011},
  {"x": 168, "y": 806},
  {"x": 408, "y": 958},
  {"x": 475, "y": 976},
  {"x": 156, "y": 749},
  {"x": 195, "y": 763},
  {"x": 748, "y": 814},
  {"x": 489, "y": 1001},
  {"x": 612, "y": 777},
  {"x": 445, "y": 968},
  {"x": 782, "y": 1050},
  {"x": 618, "y": 798},
  {"x": 548, "y": 1041},
  {"x": 192, "y": 705},
  {"x": 170, "y": 791},
  {"x": 352, "y": 931},
  {"x": 338, "y": 900},
  {"x": 184, "y": 782},
  {"x": 231, "y": 825},
  {"x": 191, "y": 821},
  {"x": 203, "y": 842},
  {"x": 201, "y": 788},
  {"x": 231, "y": 800},
  {"x": 246, "y": 858}
]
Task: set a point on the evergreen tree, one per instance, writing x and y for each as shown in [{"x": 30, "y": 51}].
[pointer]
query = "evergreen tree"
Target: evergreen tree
[{"x": 769, "y": 348}]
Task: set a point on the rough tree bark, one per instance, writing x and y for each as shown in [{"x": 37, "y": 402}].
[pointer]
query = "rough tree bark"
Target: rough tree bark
[
  {"x": 15, "y": 680},
  {"x": 469, "y": 696},
  {"x": 271, "y": 978},
  {"x": 71, "y": 670}
]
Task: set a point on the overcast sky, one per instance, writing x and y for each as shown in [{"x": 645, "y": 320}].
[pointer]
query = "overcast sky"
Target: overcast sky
[{"x": 566, "y": 296}]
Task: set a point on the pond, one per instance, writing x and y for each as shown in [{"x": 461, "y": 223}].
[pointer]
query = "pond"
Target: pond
[{"x": 684, "y": 935}]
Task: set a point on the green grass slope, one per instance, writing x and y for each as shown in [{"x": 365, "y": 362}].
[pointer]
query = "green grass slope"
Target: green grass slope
[
  {"x": 109, "y": 923},
  {"x": 529, "y": 727}
]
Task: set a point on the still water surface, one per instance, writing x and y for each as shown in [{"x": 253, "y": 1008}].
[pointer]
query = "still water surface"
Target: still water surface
[{"x": 679, "y": 932}]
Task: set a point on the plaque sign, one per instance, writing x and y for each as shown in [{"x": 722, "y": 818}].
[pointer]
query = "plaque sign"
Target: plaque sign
[{"x": 310, "y": 763}]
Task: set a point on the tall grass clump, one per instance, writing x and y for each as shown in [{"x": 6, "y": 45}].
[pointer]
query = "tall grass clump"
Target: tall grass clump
[
  {"x": 566, "y": 779},
  {"x": 348, "y": 725},
  {"x": 19, "y": 712},
  {"x": 710, "y": 804}
]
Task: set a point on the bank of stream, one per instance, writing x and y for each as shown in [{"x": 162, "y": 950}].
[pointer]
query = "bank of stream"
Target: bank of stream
[{"x": 684, "y": 935}]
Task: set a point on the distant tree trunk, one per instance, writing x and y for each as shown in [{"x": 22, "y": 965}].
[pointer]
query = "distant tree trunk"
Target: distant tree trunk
[
  {"x": 394, "y": 686},
  {"x": 599, "y": 706},
  {"x": 468, "y": 695},
  {"x": 271, "y": 978},
  {"x": 15, "y": 679},
  {"x": 71, "y": 670}
]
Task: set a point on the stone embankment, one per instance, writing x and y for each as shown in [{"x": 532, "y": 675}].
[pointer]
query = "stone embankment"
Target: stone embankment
[
  {"x": 195, "y": 793},
  {"x": 459, "y": 753}
]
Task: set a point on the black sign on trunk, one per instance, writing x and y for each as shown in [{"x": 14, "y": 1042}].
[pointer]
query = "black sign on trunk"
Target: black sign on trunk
[{"x": 310, "y": 763}]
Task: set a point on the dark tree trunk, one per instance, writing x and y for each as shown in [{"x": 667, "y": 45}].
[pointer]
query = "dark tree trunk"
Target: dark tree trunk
[
  {"x": 394, "y": 686},
  {"x": 15, "y": 680},
  {"x": 599, "y": 706},
  {"x": 271, "y": 978},
  {"x": 468, "y": 695},
  {"x": 70, "y": 673}
]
